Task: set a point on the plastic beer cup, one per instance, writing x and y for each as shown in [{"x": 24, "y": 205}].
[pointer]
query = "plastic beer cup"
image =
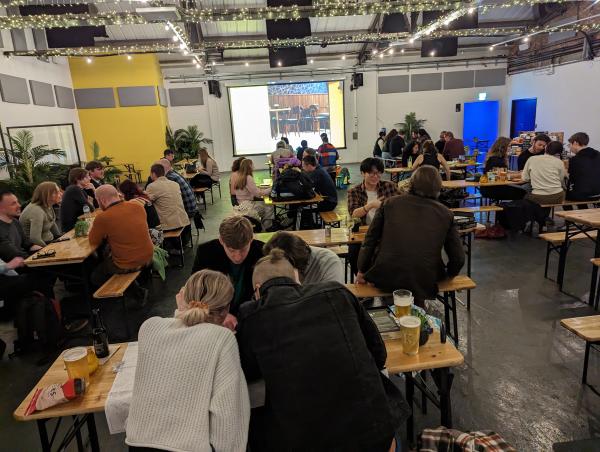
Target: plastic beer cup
[
  {"x": 76, "y": 362},
  {"x": 411, "y": 329},
  {"x": 403, "y": 301}
]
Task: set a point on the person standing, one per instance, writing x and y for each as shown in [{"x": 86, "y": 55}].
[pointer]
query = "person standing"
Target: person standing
[
  {"x": 166, "y": 197},
  {"x": 38, "y": 218},
  {"x": 379, "y": 144},
  {"x": 75, "y": 198},
  {"x": 189, "y": 391},
  {"x": 584, "y": 170},
  {"x": 454, "y": 147},
  {"x": 328, "y": 156},
  {"x": 96, "y": 172},
  {"x": 322, "y": 184},
  {"x": 538, "y": 145},
  {"x": 393, "y": 256}
]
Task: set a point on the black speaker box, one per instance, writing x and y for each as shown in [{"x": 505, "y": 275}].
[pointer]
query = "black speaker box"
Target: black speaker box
[
  {"x": 394, "y": 23},
  {"x": 287, "y": 56},
  {"x": 442, "y": 47},
  {"x": 357, "y": 81},
  {"x": 288, "y": 28},
  {"x": 289, "y": 2},
  {"x": 214, "y": 88}
]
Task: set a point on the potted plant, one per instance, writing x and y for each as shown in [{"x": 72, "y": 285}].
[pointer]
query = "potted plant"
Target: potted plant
[
  {"x": 411, "y": 124},
  {"x": 426, "y": 329},
  {"x": 186, "y": 142}
]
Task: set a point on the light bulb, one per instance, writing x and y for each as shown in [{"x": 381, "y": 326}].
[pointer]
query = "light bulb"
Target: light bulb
[
  {"x": 343, "y": 57},
  {"x": 213, "y": 63},
  {"x": 526, "y": 38},
  {"x": 279, "y": 63},
  {"x": 432, "y": 53},
  {"x": 491, "y": 48},
  {"x": 174, "y": 38},
  {"x": 182, "y": 45},
  {"x": 402, "y": 51},
  {"x": 198, "y": 66},
  {"x": 411, "y": 40},
  {"x": 246, "y": 64},
  {"x": 391, "y": 51},
  {"x": 166, "y": 28},
  {"x": 129, "y": 57},
  {"x": 381, "y": 55},
  {"x": 312, "y": 61},
  {"x": 185, "y": 52},
  {"x": 88, "y": 60},
  {"x": 471, "y": 10},
  {"x": 374, "y": 51}
]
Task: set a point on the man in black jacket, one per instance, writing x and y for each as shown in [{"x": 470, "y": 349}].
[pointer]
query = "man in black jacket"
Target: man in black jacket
[
  {"x": 320, "y": 356},
  {"x": 322, "y": 183},
  {"x": 584, "y": 171},
  {"x": 538, "y": 146},
  {"x": 234, "y": 253}
]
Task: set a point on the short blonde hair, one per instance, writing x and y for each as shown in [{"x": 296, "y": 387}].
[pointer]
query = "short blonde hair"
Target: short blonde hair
[
  {"x": 43, "y": 192},
  {"x": 273, "y": 265},
  {"x": 207, "y": 295}
]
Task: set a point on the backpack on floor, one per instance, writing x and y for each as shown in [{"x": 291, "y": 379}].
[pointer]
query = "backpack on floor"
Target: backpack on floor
[
  {"x": 36, "y": 318},
  {"x": 515, "y": 215},
  {"x": 292, "y": 184}
]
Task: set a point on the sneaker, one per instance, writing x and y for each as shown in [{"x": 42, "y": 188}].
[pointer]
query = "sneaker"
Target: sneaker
[{"x": 76, "y": 325}]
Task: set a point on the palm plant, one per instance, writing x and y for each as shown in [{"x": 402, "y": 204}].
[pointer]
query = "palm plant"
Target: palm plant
[
  {"x": 186, "y": 142},
  {"x": 110, "y": 171},
  {"x": 411, "y": 123},
  {"x": 28, "y": 165}
]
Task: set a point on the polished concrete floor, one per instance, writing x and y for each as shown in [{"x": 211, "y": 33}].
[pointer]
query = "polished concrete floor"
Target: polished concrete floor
[{"x": 522, "y": 370}]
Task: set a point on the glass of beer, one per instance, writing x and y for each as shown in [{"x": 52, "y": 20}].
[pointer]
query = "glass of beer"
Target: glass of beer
[
  {"x": 410, "y": 328},
  {"x": 76, "y": 362},
  {"x": 403, "y": 301}
]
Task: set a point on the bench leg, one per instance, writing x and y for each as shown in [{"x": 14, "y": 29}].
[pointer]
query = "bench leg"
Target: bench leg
[
  {"x": 454, "y": 317},
  {"x": 410, "y": 393},
  {"x": 547, "y": 260},
  {"x": 594, "y": 272},
  {"x": 126, "y": 317},
  {"x": 585, "y": 362},
  {"x": 181, "y": 248},
  {"x": 447, "y": 313},
  {"x": 444, "y": 393},
  {"x": 562, "y": 258}
]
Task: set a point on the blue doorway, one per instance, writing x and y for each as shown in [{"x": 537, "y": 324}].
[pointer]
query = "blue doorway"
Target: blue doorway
[
  {"x": 480, "y": 124},
  {"x": 522, "y": 116}
]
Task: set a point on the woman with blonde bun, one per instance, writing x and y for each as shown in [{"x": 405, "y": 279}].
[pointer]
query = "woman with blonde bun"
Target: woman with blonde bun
[{"x": 189, "y": 392}]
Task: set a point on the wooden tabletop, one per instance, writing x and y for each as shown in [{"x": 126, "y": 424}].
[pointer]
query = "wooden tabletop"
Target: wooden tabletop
[
  {"x": 316, "y": 199},
  {"x": 316, "y": 237},
  {"x": 463, "y": 165},
  {"x": 586, "y": 217},
  {"x": 587, "y": 328},
  {"x": 92, "y": 401},
  {"x": 470, "y": 183},
  {"x": 72, "y": 251},
  {"x": 398, "y": 170},
  {"x": 433, "y": 355}
]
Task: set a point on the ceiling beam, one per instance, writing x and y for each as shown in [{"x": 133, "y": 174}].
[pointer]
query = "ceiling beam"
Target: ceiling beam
[{"x": 373, "y": 27}]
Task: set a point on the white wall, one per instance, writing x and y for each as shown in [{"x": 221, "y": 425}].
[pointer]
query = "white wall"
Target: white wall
[{"x": 567, "y": 101}]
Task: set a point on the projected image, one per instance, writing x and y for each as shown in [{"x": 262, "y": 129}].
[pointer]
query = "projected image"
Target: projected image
[{"x": 261, "y": 115}]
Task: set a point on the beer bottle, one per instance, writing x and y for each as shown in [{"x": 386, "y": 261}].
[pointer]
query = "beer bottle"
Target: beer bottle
[{"x": 99, "y": 335}]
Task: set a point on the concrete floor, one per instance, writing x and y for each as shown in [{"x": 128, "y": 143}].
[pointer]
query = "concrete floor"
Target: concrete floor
[{"x": 521, "y": 376}]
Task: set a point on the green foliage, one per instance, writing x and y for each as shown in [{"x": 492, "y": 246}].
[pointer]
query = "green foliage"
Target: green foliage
[
  {"x": 411, "y": 123},
  {"x": 110, "y": 171},
  {"x": 28, "y": 165},
  {"x": 186, "y": 142}
]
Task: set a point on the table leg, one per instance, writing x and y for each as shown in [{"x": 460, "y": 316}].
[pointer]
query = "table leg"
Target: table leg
[
  {"x": 469, "y": 244},
  {"x": 41, "y": 423},
  {"x": 93, "y": 434},
  {"x": 444, "y": 392},
  {"x": 410, "y": 393},
  {"x": 78, "y": 435},
  {"x": 594, "y": 272},
  {"x": 563, "y": 257}
]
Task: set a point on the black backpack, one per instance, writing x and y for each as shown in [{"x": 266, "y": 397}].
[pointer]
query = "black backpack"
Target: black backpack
[
  {"x": 292, "y": 184},
  {"x": 36, "y": 317}
]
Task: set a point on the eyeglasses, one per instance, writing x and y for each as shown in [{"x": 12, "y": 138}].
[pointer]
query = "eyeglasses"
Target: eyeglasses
[{"x": 374, "y": 173}]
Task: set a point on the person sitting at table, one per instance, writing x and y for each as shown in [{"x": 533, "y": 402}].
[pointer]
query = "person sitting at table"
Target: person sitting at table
[
  {"x": 189, "y": 391},
  {"x": 282, "y": 151},
  {"x": 497, "y": 157},
  {"x": 75, "y": 198},
  {"x": 38, "y": 218},
  {"x": 410, "y": 154},
  {"x": 423, "y": 135},
  {"x": 169, "y": 154},
  {"x": 393, "y": 257},
  {"x": 96, "y": 171},
  {"x": 187, "y": 194},
  {"x": 131, "y": 192},
  {"x": 320, "y": 354},
  {"x": 328, "y": 156},
  {"x": 166, "y": 197},
  {"x": 13, "y": 240},
  {"x": 122, "y": 226},
  {"x": 431, "y": 157},
  {"x": 235, "y": 167},
  {"x": 538, "y": 145},
  {"x": 287, "y": 142},
  {"x": 394, "y": 144},
  {"x": 439, "y": 144},
  {"x": 249, "y": 196},
  {"x": 207, "y": 171},
  {"x": 300, "y": 149},
  {"x": 584, "y": 171},
  {"x": 322, "y": 184},
  {"x": 454, "y": 147},
  {"x": 234, "y": 253},
  {"x": 314, "y": 264}
]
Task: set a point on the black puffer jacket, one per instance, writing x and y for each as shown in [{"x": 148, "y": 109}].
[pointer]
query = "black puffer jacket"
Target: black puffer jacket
[{"x": 319, "y": 354}]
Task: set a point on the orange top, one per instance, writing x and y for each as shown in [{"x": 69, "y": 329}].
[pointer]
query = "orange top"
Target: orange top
[{"x": 123, "y": 225}]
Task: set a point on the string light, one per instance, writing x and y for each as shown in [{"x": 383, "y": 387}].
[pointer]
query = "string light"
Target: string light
[
  {"x": 279, "y": 63},
  {"x": 129, "y": 57},
  {"x": 198, "y": 66},
  {"x": 311, "y": 61},
  {"x": 246, "y": 64},
  {"x": 391, "y": 51},
  {"x": 381, "y": 55},
  {"x": 88, "y": 60},
  {"x": 343, "y": 57},
  {"x": 175, "y": 38}
]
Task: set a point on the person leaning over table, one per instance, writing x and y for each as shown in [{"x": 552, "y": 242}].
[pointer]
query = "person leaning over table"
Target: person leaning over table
[
  {"x": 538, "y": 145},
  {"x": 393, "y": 256},
  {"x": 430, "y": 156},
  {"x": 411, "y": 153},
  {"x": 314, "y": 264},
  {"x": 322, "y": 184},
  {"x": 234, "y": 254},
  {"x": 454, "y": 147},
  {"x": 497, "y": 157},
  {"x": 122, "y": 226},
  {"x": 75, "y": 198},
  {"x": 584, "y": 171},
  {"x": 189, "y": 391},
  {"x": 131, "y": 192},
  {"x": 166, "y": 197},
  {"x": 38, "y": 218},
  {"x": 320, "y": 355}
]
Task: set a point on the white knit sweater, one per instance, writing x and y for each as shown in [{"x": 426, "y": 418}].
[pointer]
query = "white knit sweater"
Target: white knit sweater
[{"x": 189, "y": 392}]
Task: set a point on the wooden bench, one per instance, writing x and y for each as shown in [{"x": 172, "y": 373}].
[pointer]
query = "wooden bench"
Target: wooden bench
[
  {"x": 588, "y": 329},
  {"x": 176, "y": 234},
  {"x": 447, "y": 296},
  {"x": 330, "y": 218},
  {"x": 200, "y": 192},
  {"x": 554, "y": 242},
  {"x": 477, "y": 209},
  {"x": 342, "y": 253},
  {"x": 568, "y": 203},
  {"x": 115, "y": 287}
]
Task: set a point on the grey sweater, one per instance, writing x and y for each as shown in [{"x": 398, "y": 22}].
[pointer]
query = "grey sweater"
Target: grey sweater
[
  {"x": 39, "y": 224},
  {"x": 13, "y": 241}
]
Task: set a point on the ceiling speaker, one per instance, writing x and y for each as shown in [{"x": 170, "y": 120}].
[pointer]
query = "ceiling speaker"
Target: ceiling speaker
[
  {"x": 287, "y": 56},
  {"x": 442, "y": 47}
]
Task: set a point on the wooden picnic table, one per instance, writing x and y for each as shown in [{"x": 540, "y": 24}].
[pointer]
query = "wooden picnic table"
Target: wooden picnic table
[
  {"x": 280, "y": 208},
  {"x": 471, "y": 183},
  {"x": 82, "y": 409}
]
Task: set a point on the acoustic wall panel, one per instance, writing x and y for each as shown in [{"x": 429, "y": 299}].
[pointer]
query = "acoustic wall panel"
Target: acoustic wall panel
[
  {"x": 490, "y": 77},
  {"x": 95, "y": 98},
  {"x": 18, "y": 39},
  {"x": 14, "y": 89},
  {"x": 137, "y": 96},
  {"x": 426, "y": 82},
  {"x": 459, "y": 79},
  {"x": 64, "y": 97},
  {"x": 42, "y": 93},
  {"x": 393, "y": 84},
  {"x": 162, "y": 96},
  {"x": 181, "y": 97}
]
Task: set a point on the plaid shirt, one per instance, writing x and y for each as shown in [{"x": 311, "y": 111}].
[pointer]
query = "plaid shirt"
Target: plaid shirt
[
  {"x": 357, "y": 196},
  {"x": 443, "y": 439},
  {"x": 189, "y": 200}
]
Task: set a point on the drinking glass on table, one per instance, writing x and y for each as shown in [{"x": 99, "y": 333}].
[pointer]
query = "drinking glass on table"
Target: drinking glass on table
[
  {"x": 76, "y": 362},
  {"x": 403, "y": 300},
  {"x": 410, "y": 327}
]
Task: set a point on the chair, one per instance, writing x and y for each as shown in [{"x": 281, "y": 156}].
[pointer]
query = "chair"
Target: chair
[{"x": 292, "y": 120}]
